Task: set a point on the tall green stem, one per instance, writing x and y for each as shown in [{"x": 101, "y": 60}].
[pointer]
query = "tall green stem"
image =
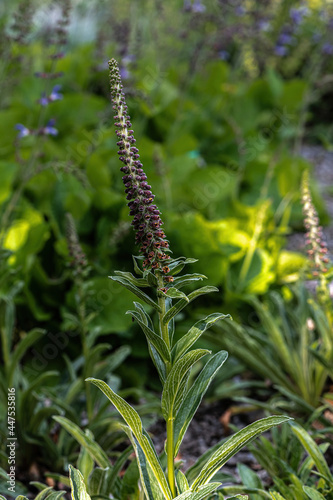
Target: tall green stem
[{"x": 169, "y": 442}]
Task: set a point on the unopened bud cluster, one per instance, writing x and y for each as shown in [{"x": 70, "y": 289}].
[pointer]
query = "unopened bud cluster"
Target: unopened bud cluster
[
  {"x": 316, "y": 247},
  {"x": 79, "y": 261},
  {"x": 146, "y": 216}
]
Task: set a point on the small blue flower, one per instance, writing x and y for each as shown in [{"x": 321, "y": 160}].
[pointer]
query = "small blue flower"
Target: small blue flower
[
  {"x": 297, "y": 15},
  {"x": 43, "y": 101},
  {"x": 198, "y": 7},
  {"x": 285, "y": 39},
  {"x": 49, "y": 129},
  {"x": 264, "y": 25},
  {"x": 240, "y": 11},
  {"x": 280, "y": 50},
  {"x": 327, "y": 48},
  {"x": 23, "y": 131},
  {"x": 55, "y": 94},
  {"x": 224, "y": 55}
]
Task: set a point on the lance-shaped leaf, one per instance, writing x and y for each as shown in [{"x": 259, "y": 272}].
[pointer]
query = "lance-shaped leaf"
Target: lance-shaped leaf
[
  {"x": 194, "y": 396},
  {"x": 194, "y": 333},
  {"x": 21, "y": 349},
  {"x": 182, "y": 302},
  {"x": 140, "y": 282},
  {"x": 313, "y": 494},
  {"x": 181, "y": 482},
  {"x": 133, "y": 420},
  {"x": 233, "y": 445},
  {"x": 177, "y": 265},
  {"x": 79, "y": 491},
  {"x": 174, "y": 386},
  {"x": 148, "y": 480},
  {"x": 152, "y": 337},
  {"x": 202, "y": 492},
  {"x": 173, "y": 293},
  {"x": 134, "y": 289},
  {"x": 313, "y": 450},
  {"x": 186, "y": 279},
  {"x": 93, "y": 448}
]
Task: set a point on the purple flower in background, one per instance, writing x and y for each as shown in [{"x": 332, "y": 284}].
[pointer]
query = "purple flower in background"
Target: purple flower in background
[
  {"x": 224, "y": 55},
  {"x": 198, "y": 7},
  {"x": 285, "y": 39},
  {"x": 327, "y": 48},
  {"x": 43, "y": 101},
  {"x": 280, "y": 50},
  {"x": 240, "y": 11},
  {"x": 23, "y": 131},
  {"x": 264, "y": 25},
  {"x": 49, "y": 128},
  {"x": 55, "y": 94},
  {"x": 297, "y": 15},
  {"x": 124, "y": 73}
]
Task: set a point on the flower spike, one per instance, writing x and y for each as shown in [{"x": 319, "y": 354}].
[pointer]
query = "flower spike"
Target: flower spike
[{"x": 146, "y": 216}]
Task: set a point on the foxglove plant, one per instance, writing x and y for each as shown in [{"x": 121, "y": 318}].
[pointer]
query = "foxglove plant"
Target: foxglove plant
[{"x": 173, "y": 360}]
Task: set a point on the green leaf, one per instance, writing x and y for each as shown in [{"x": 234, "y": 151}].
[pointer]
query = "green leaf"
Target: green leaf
[
  {"x": 139, "y": 282},
  {"x": 174, "y": 388},
  {"x": 195, "y": 333},
  {"x": 79, "y": 491},
  {"x": 177, "y": 265},
  {"x": 236, "y": 489},
  {"x": 134, "y": 422},
  {"x": 44, "y": 493},
  {"x": 85, "y": 462},
  {"x": 187, "y": 279},
  {"x": 173, "y": 293},
  {"x": 182, "y": 302},
  {"x": 202, "y": 492},
  {"x": 152, "y": 337},
  {"x": 148, "y": 480},
  {"x": 313, "y": 494},
  {"x": 127, "y": 284},
  {"x": 233, "y": 445},
  {"x": 194, "y": 396},
  {"x": 98, "y": 482},
  {"x": 181, "y": 482},
  {"x": 313, "y": 450},
  {"x": 22, "y": 348},
  {"x": 93, "y": 448}
]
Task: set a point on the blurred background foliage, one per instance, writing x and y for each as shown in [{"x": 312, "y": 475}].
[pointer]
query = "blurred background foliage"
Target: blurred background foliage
[{"x": 222, "y": 97}]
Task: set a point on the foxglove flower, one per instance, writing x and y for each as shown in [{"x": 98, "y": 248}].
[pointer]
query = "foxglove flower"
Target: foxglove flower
[
  {"x": 23, "y": 131},
  {"x": 146, "y": 216}
]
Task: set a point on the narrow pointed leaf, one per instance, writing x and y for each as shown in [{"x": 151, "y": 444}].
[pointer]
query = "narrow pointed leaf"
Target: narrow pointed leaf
[
  {"x": 133, "y": 420},
  {"x": 140, "y": 282},
  {"x": 127, "y": 284},
  {"x": 22, "y": 348},
  {"x": 313, "y": 494},
  {"x": 173, "y": 389},
  {"x": 313, "y": 450},
  {"x": 233, "y": 445},
  {"x": 195, "y": 333},
  {"x": 153, "y": 338},
  {"x": 181, "y": 482},
  {"x": 136, "y": 265},
  {"x": 194, "y": 396},
  {"x": 44, "y": 493},
  {"x": 173, "y": 293},
  {"x": 182, "y": 302},
  {"x": 187, "y": 279},
  {"x": 79, "y": 491},
  {"x": 93, "y": 448},
  {"x": 202, "y": 492}
]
